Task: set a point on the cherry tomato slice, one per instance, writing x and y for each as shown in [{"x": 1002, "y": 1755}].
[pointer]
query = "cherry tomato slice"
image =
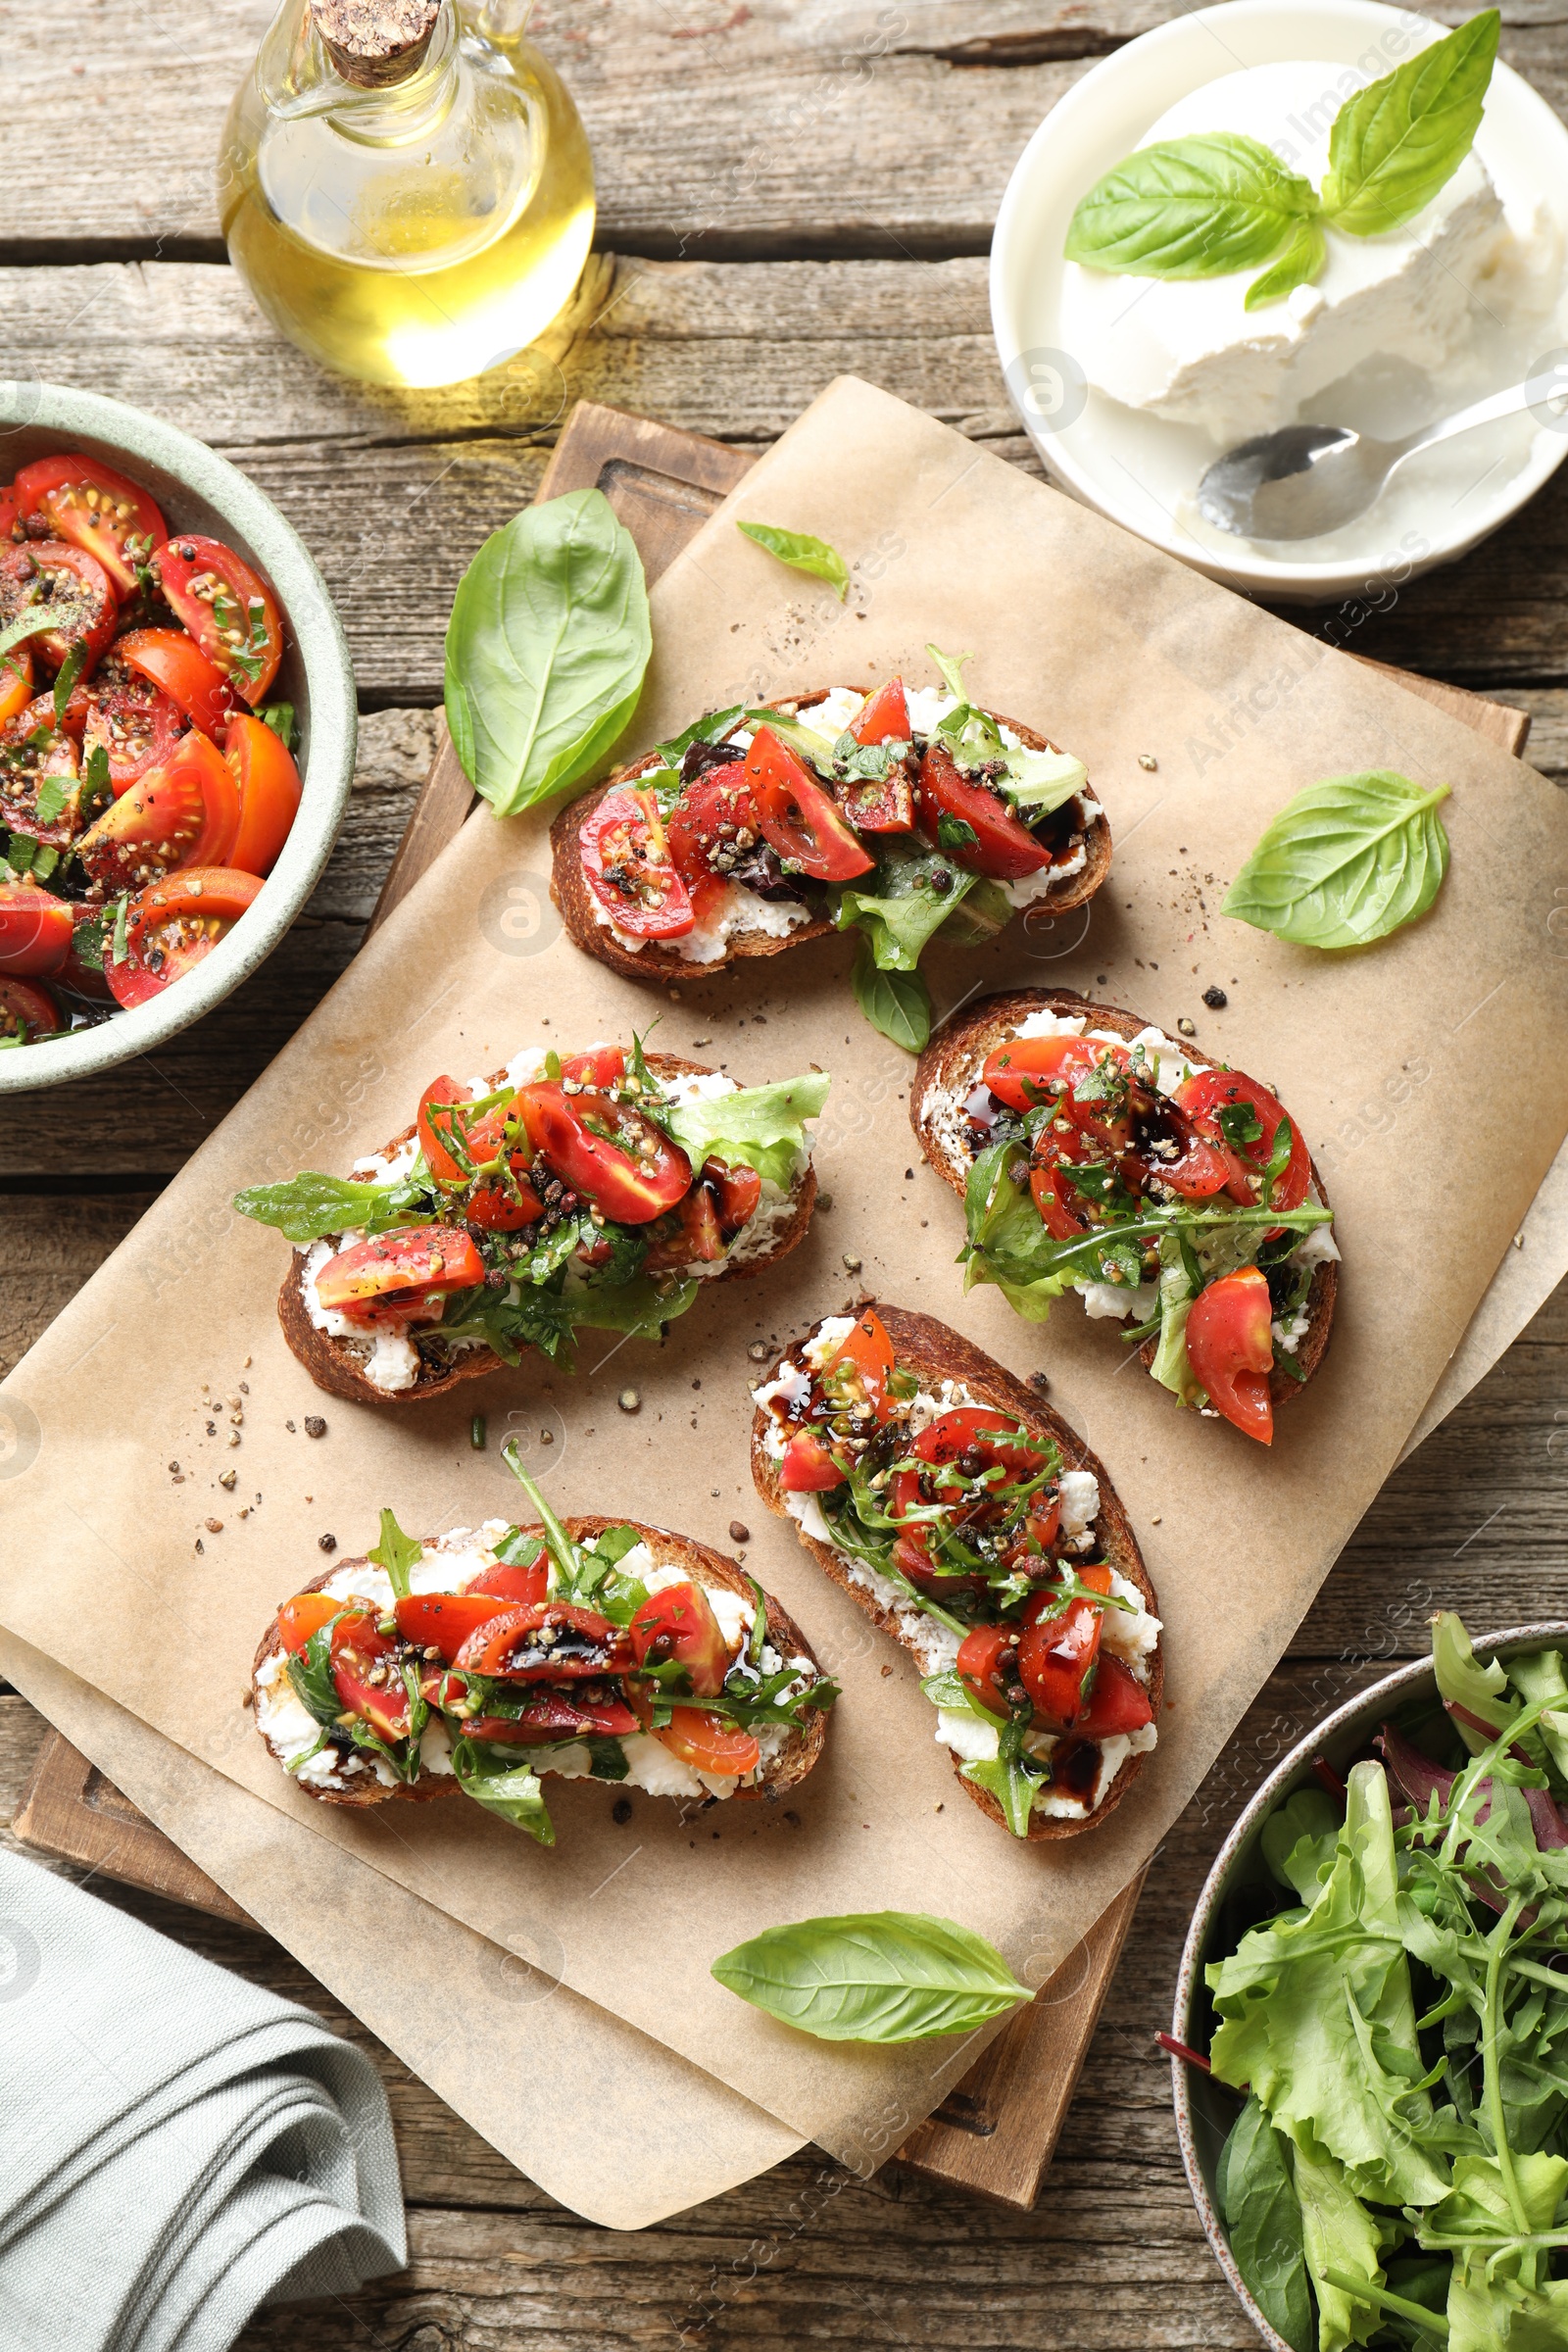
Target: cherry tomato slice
[
  {"x": 1117, "y": 1703},
  {"x": 397, "y": 1277},
  {"x": 268, "y": 786},
  {"x": 1059, "y": 1651},
  {"x": 1030, "y": 1070},
  {"x": 599, "y": 1067},
  {"x": 515, "y": 1580},
  {"x": 440, "y": 1094},
  {"x": 883, "y": 717},
  {"x": 1208, "y": 1094},
  {"x": 85, "y": 502},
  {"x": 138, "y": 725},
  {"x": 797, "y": 814},
  {"x": 172, "y": 924},
  {"x": 700, "y": 1738},
  {"x": 67, "y": 583},
  {"x": 626, "y": 865},
  {"x": 549, "y": 1715},
  {"x": 678, "y": 1624},
  {"x": 807, "y": 1467},
  {"x": 34, "y": 754},
  {"x": 714, "y": 824},
  {"x": 9, "y": 511},
  {"x": 633, "y": 1179},
  {"x": 698, "y": 1239},
  {"x": 36, "y": 931},
  {"x": 228, "y": 608},
  {"x": 16, "y": 681},
  {"x": 306, "y": 1614},
  {"x": 1063, "y": 1212},
  {"x": 546, "y": 1640},
  {"x": 977, "y": 1439},
  {"x": 172, "y": 660},
  {"x": 493, "y": 1206},
  {"x": 367, "y": 1677},
  {"x": 185, "y": 814},
  {"x": 856, "y": 1372},
  {"x": 1230, "y": 1346},
  {"x": 1003, "y": 847},
  {"x": 444, "y": 1621},
  {"x": 986, "y": 1662},
  {"x": 26, "y": 1011},
  {"x": 738, "y": 1193}
]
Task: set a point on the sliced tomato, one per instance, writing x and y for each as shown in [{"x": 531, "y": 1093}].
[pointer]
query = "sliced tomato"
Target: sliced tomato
[
  {"x": 85, "y": 502},
  {"x": 807, "y": 1467},
  {"x": 172, "y": 924},
  {"x": 607, "y": 1151},
  {"x": 599, "y": 1067},
  {"x": 1117, "y": 1703},
  {"x": 1170, "y": 1146},
  {"x": 557, "y": 1715},
  {"x": 626, "y": 864},
  {"x": 444, "y": 1621},
  {"x": 26, "y": 1011},
  {"x": 306, "y": 1614},
  {"x": 677, "y": 1626},
  {"x": 440, "y": 1094},
  {"x": 137, "y": 724},
  {"x": 228, "y": 608},
  {"x": 698, "y": 1239},
  {"x": 400, "y": 1277},
  {"x": 700, "y": 1738},
  {"x": 176, "y": 663},
  {"x": 16, "y": 681},
  {"x": 797, "y": 817},
  {"x": 714, "y": 823},
  {"x": 367, "y": 1677},
  {"x": 738, "y": 1193},
  {"x": 1030, "y": 1070},
  {"x": 857, "y": 1371},
  {"x": 8, "y": 510},
  {"x": 978, "y": 1439},
  {"x": 1059, "y": 1653},
  {"x": 1002, "y": 847},
  {"x": 495, "y": 1205},
  {"x": 883, "y": 717},
  {"x": 546, "y": 1640},
  {"x": 268, "y": 786},
  {"x": 185, "y": 814},
  {"x": 73, "y": 586},
  {"x": 1207, "y": 1096},
  {"x": 1230, "y": 1346},
  {"x": 986, "y": 1662},
  {"x": 34, "y": 754},
  {"x": 36, "y": 930},
  {"x": 1063, "y": 1212},
  {"x": 515, "y": 1580}
]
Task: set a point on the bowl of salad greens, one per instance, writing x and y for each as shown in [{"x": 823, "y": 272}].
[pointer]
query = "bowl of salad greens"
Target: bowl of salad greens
[{"x": 1373, "y": 2003}]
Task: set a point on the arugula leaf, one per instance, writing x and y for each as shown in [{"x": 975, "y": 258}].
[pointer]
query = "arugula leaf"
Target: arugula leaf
[
  {"x": 896, "y": 1003},
  {"x": 1347, "y": 861},
  {"x": 516, "y": 1549},
  {"x": 950, "y": 668},
  {"x": 545, "y": 650},
  {"x": 65, "y": 677},
  {"x": 761, "y": 1127},
  {"x": 904, "y": 908},
  {"x": 879, "y": 1975},
  {"x": 310, "y": 1672},
  {"x": 559, "y": 1545},
  {"x": 514, "y": 1794},
  {"x": 1009, "y": 1780},
  {"x": 32, "y": 623},
  {"x": 711, "y": 729},
  {"x": 1263, "y": 2216},
  {"x": 1394, "y": 145},
  {"x": 1462, "y": 1679},
  {"x": 397, "y": 1553},
  {"x": 802, "y": 552},
  {"x": 1198, "y": 207},
  {"x": 309, "y": 1207}
]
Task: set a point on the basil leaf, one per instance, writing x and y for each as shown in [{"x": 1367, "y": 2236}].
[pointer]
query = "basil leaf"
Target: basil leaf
[
  {"x": 898, "y": 1003},
  {"x": 545, "y": 650},
  {"x": 1345, "y": 863},
  {"x": 802, "y": 552},
  {"x": 613, "y": 1543},
  {"x": 1298, "y": 266},
  {"x": 310, "y": 1671},
  {"x": 1190, "y": 208},
  {"x": 279, "y": 716},
  {"x": 518, "y": 1550},
  {"x": 514, "y": 1795},
  {"x": 309, "y": 1207},
  {"x": 1264, "y": 2217},
  {"x": 30, "y": 623},
  {"x": 66, "y": 678},
  {"x": 873, "y": 1975},
  {"x": 1394, "y": 145},
  {"x": 607, "y": 1760},
  {"x": 711, "y": 729},
  {"x": 397, "y": 1553}
]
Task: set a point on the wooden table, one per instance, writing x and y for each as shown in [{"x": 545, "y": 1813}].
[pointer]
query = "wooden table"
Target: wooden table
[{"x": 789, "y": 189}]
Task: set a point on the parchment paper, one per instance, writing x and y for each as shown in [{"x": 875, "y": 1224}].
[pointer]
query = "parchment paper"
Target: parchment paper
[
  {"x": 690, "y": 2138},
  {"x": 1427, "y": 1074}
]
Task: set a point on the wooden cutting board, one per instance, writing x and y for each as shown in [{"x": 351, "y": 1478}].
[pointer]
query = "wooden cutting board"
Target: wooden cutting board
[{"x": 995, "y": 2131}]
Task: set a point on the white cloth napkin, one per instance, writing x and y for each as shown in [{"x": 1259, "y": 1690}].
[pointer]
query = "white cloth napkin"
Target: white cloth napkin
[{"x": 176, "y": 2148}]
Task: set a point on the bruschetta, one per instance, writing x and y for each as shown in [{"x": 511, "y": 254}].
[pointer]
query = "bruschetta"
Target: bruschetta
[
  {"x": 897, "y": 811},
  {"x": 1095, "y": 1154},
  {"x": 600, "y": 1190},
  {"x": 972, "y": 1526},
  {"x": 482, "y": 1662}
]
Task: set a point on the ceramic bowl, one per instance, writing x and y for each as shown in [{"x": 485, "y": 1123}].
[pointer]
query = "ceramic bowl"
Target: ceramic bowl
[
  {"x": 1239, "y": 1890},
  {"x": 199, "y": 491},
  {"x": 1141, "y": 470}
]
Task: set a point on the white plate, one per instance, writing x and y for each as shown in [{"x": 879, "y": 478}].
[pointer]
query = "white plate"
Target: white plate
[{"x": 1138, "y": 470}]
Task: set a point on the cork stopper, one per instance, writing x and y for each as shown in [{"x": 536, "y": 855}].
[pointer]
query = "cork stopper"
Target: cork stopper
[{"x": 374, "y": 43}]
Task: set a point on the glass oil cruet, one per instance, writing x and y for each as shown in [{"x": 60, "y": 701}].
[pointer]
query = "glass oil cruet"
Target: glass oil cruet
[{"x": 406, "y": 186}]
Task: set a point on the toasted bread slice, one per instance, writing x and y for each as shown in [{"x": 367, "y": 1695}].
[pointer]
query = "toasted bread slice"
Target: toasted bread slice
[
  {"x": 336, "y": 1362},
  {"x": 938, "y": 1354},
  {"x": 791, "y": 1763},
  {"x": 579, "y": 909},
  {"x": 949, "y": 1068}
]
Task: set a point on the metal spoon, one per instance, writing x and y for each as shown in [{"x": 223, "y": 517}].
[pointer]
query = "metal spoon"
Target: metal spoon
[{"x": 1308, "y": 479}]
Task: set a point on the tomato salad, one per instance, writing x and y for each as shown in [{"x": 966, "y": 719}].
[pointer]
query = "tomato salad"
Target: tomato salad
[
  {"x": 1169, "y": 1192},
  {"x": 585, "y": 1190},
  {"x": 147, "y": 785},
  {"x": 887, "y": 812},
  {"x": 486, "y": 1659},
  {"x": 987, "y": 1550}
]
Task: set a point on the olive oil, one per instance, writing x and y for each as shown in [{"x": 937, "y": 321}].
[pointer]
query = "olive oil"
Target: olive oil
[{"x": 424, "y": 228}]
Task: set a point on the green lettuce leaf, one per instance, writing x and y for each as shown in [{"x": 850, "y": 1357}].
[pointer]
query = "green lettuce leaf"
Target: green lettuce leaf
[
  {"x": 1341, "y": 2241},
  {"x": 1462, "y": 1679},
  {"x": 761, "y": 1127}
]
